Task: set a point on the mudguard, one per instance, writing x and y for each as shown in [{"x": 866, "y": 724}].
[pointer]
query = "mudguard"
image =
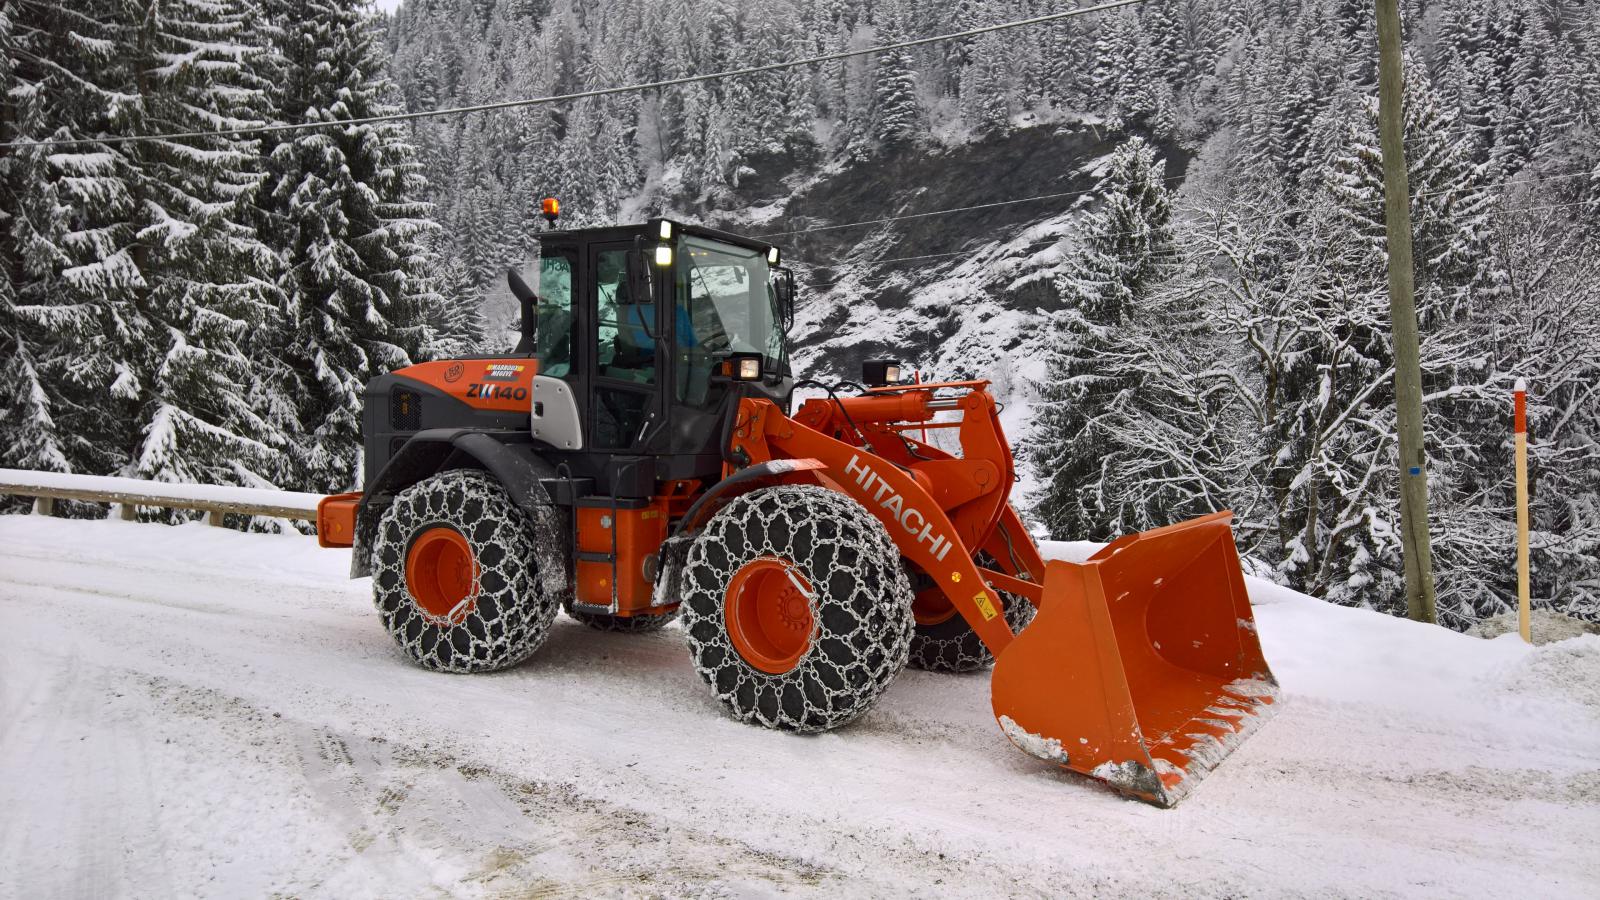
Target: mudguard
[{"x": 511, "y": 457}]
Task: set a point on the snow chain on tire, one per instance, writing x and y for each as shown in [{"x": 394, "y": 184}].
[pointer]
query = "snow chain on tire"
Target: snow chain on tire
[
  {"x": 520, "y": 574},
  {"x": 860, "y": 603},
  {"x": 636, "y": 624},
  {"x": 952, "y": 645}
]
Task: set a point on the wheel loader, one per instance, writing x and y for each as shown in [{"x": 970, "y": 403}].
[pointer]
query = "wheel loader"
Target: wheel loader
[{"x": 639, "y": 458}]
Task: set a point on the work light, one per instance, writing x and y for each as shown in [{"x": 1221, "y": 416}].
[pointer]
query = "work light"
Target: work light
[{"x": 880, "y": 372}]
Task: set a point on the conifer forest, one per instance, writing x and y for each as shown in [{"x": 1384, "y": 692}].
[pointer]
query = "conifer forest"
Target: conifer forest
[{"x": 1159, "y": 231}]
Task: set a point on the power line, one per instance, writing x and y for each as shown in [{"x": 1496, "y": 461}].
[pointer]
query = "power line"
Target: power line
[{"x": 580, "y": 95}]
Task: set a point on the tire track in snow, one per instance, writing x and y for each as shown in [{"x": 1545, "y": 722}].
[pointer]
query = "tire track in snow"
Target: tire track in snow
[
  {"x": 413, "y": 816},
  {"x": 67, "y": 847}
]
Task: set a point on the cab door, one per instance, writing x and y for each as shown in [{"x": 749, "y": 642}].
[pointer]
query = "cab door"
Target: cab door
[{"x": 624, "y": 366}]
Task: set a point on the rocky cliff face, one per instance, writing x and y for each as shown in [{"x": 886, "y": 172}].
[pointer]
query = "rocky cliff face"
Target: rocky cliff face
[{"x": 956, "y": 295}]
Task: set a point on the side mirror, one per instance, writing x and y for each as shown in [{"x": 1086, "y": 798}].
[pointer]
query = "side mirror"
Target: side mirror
[
  {"x": 641, "y": 279},
  {"x": 783, "y": 289}
]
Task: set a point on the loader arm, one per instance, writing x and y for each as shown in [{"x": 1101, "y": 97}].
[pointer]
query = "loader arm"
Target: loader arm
[
  {"x": 1141, "y": 667},
  {"x": 974, "y": 488},
  {"x": 1007, "y": 540},
  {"x": 915, "y": 521}
]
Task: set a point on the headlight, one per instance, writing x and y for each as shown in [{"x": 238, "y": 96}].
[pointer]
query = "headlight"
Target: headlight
[
  {"x": 666, "y": 230},
  {"x": 749, "y": 368},
  {"x": 772, "y": 256},
  {"x": 663, "y": 255},
  {"x": 880, "y": 372}
]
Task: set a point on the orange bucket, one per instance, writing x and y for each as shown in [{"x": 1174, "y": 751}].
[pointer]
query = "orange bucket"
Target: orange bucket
[{"x": 1142, "y": 667}]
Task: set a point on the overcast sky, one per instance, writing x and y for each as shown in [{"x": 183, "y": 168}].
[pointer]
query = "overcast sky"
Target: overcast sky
[{"x": 386, "y": 5}]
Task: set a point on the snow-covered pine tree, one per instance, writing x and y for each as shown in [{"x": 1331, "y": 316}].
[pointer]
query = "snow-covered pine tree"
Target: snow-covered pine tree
[
  {"x": 1063, "y": 67},
  {"x": 28, "y": 437},
  {"x": 1121, "y": 436},
  {"x": 455, "y": 318},
  {"x": 1111, "y": 61},
  {"x": 985, "y": 98},
  {"x": 781, "y": 104},
  {"x": 706, "y": 153},
  {"x": 615, "y": 173},
  {"x": 209, "y": 282},
  {"x": 898, "y": 112},
  {"x": 68, "y": 241},
  {"x": 350, "y": 222},
  {"x": 717, "y": 156},
  {"x": 1128, "y": 76},
  {"x": 27, "y": 428}
]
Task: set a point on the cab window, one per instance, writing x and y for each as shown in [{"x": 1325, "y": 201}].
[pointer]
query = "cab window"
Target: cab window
[
  {"x": 625, "y": 349},
  {"x": 554, "y": 348}
]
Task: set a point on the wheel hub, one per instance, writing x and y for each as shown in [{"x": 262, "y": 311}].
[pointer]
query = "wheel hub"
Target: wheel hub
[
  {"x": 767, "y": 608},
  {"x": 931, "y": 607},
  {"x": 441, "y": 574}
]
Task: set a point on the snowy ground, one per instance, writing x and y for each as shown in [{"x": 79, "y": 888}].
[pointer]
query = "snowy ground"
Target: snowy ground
[{"x": 196, "y": 711}]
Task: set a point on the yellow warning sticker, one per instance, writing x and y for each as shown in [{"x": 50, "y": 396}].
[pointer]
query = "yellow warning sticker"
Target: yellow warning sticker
[{"x": 984, "y": 605}]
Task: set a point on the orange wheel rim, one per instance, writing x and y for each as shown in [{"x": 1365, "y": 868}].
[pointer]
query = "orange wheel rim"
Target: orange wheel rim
[
  {"x": 768, "y": 611},
  {"x": 440, "y": 574},
  {"x": 932, "y": 606}
]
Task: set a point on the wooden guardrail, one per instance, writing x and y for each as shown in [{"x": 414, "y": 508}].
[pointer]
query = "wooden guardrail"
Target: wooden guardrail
[{"x": 131, "y": 493}]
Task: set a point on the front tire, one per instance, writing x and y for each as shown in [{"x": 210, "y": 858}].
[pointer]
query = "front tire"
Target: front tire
[
  {"x": 797, "y": 610},
  {"x": 945, "y": 642},
  {"x": 463, "y": 578}
]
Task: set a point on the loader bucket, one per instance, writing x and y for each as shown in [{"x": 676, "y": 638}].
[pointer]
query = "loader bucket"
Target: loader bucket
[{"x": 1142, "y": 668}]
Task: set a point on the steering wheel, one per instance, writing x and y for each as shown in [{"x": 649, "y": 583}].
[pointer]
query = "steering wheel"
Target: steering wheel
[{"x": 716, "y": 343}]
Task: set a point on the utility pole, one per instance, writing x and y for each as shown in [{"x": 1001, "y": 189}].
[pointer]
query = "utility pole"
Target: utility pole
[{"x": 1415, "y": 544}]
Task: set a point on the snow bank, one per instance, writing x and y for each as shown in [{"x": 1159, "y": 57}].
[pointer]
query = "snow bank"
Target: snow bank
[{"x": 1544, "y": 626}]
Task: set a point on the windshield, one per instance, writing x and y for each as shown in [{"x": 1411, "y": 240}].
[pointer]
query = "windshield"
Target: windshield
[{"x": 726, "y": 304}]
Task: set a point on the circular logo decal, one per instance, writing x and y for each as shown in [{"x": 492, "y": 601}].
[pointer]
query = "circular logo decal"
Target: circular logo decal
[{"x": 453, "y": 374}]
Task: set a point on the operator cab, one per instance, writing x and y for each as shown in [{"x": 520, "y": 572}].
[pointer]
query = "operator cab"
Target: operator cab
[{"x": 645, "y": 337}]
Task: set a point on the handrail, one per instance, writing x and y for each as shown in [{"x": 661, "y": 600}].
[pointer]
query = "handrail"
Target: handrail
[{"x": 131, "y": 493}]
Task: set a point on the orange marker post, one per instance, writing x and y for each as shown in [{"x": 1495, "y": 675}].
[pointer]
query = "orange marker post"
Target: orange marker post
[{"x": 1520, "y": 424}]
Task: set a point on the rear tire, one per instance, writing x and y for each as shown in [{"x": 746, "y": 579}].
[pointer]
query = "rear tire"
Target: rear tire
[
  {"x": 463, "y": 578},
  {"x": 797, "y": 610},
  {"x": 635, "y": 624},
  {"x": 950, "y": 645}
]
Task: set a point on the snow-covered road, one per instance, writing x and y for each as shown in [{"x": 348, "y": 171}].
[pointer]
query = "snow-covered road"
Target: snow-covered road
[{"x": 196, "y": 711}]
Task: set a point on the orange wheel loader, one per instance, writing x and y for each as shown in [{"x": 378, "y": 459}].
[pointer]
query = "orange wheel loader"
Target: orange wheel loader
[{"x": 637, "y": 459}]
